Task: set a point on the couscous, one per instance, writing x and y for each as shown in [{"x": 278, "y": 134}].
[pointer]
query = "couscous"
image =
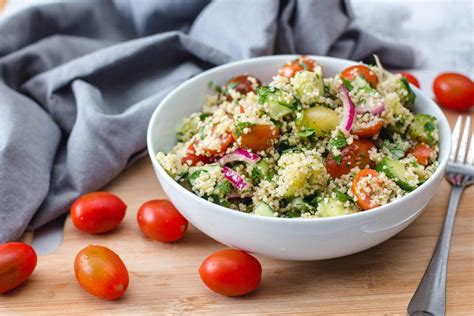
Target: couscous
[{"x": 305, "y": 145}]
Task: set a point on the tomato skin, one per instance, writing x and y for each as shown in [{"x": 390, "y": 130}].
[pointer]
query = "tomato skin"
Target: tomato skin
[
  {"x": 17, "y": 262},
  {"x": 353, "y": 155},
  {"x": 368, "y": 131},
  {"x": 260, "y": 137},
  {"x": 365, "y": 204},
  {"x": 243, "y": 84},
  {"x": 422, "y": 153},
  {"x": 231, "y": 272},
  {"x": 411, "y": 79},
  {"x": 454, "y": 91},
  {"x": 97, "y": 212},
  {"x": 360, "y": 70},
  {"x": 160, "y": 220},
  {"x": 101, "y": 272},
  {"x": 290, "y": 69}
]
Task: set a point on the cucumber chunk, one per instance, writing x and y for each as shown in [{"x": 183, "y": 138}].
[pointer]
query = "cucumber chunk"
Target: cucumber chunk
[
  {"x": 263, "y": 209},
  {"x": 329, "y": 207},
  {"x": 424, "y": 128},
  {"x": 299, "y": 204},
  {"x": 397, "y": 171},
  {"x": 277, "y": 111}
]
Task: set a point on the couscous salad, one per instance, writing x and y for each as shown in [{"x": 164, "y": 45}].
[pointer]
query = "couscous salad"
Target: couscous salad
[{"x": 305, "y": 145}]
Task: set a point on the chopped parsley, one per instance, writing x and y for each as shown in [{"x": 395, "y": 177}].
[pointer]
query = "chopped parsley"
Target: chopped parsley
[
  {"x": 240, "y": 126},
  {"x": 339, "y": 141},
  {"x": 306, "y": 132}
]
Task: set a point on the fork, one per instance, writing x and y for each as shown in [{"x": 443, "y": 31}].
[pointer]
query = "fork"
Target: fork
[{"x": 430, "y": 296}]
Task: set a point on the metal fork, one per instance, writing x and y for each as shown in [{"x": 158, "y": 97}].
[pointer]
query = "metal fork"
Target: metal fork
[{"x": 430, "y": 296}]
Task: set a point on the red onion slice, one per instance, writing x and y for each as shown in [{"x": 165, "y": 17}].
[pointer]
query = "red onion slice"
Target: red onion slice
[
  {"x": 240, "y": 155},
  {"x": 348, "y": 112},
  {"x": 235, "y": 178},
  {"x": 374, "y": 110}
]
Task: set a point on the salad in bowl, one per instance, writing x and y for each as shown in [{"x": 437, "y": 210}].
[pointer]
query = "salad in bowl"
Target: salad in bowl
[{"x": 305, "y": 145}]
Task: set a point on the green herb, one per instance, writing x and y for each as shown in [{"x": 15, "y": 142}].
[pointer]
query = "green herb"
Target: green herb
[
  {"x": 395, "y": 150},
  {"x": 400, "y": 123},
  {"x": 347, "y": 84},
  {"x": 203, "y": 116},
  {"x": 202, "y": 135},
  {"x": 293, "y": 214},
  {"x": 264, "y": 92},
  {"x": 429, "y": 126},
  {"x": 240, "y": 126},
  {"x": 343, "y": 197},
  {"x": 194, "y": 175},
  {"x": 339, "y": 141},
  {"x": 306, "y": 132},
  {"x": 224, "y": 187},
  {"x": 338, "y": 159},
  {"x": 256, "y": 175}
]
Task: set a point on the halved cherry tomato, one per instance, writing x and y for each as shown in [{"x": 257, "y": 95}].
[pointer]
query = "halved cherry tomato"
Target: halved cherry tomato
[
  {"x": 97, "y": 212},
  {"x": 192, "y": 159},
  {"x": 160, "y": 220},
  {"x": 360, "y": 71},
  {"x": 363, "y": 198},
  {"x": 101, "y": 272},
  {"x": 411, "y": 79},
  {"x": 17, "y": 262},
  {"x": 231, "y": 272},
  {"x": 422, "y": 153},
  {"x": 454, "y": 91},
  {"x": 353, "y": 155},
  {"x": 260, "y": 137},
  {"x": 290, "y": 69},
  {"x": 369, "y": 131},
  {"x": 242, "y": 84}
]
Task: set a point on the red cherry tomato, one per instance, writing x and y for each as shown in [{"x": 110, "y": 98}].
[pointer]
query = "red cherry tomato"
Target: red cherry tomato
[
  {"x": 411, "y": 79},
  {"x": 360, "y": 71},
  {"x": 17, "y": 262},
  {"x": 97, "y": 212},
  {"x": 242, "y": 84},
  {"x": 231, "y": 272},
  {"x": 160, "y": 220},
  {"x": 454, "y": 91},
  {"x": 290, "y": 69},
  {"x": 368, "y": 131},
  {"x": 363, "y": 198},
  {"x": 101, "y": 272},
  {"x": 353, "y": 155},
  {"x": 260, "y": 137},
  {"x": 422, "y": 153}
]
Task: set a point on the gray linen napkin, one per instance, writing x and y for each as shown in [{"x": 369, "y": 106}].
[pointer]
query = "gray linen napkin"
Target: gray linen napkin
[{"x": 81, "y": 79}]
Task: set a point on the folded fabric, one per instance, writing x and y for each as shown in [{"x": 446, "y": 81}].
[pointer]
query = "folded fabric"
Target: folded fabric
[{"x": 80, "y": 80}]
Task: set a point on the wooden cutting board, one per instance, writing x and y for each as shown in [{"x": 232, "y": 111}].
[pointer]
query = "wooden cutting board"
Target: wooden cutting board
[{"x": 164, "y": 278}]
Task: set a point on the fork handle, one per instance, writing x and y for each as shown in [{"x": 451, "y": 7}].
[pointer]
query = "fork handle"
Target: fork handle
[{"x": 430, "y": 296}]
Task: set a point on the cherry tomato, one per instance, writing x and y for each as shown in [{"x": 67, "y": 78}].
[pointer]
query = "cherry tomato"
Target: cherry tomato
[
  {"x": 368, "y": 131},
  {"x": 231, "y": 272},
  {"x": 422, "y": 153},
  {"x": 242, "y": 84},
  {"x": 411, "y": 79},
  {"x": 363, "y": 198},
  {"x": 160, "y": 220},
  {"x": 97, "y": 212},
  {"x": 260, "y": 137},
  {"x": 17, "y": 262},
  {"x": 454, "y": 91},
  {"x": 360, "y": 71},
  {"x": 353, "y": 155},
  {"x": 290, "y": 69},
  {"x": 101, "y": 272},
  {"x": 192, "y": 159}
]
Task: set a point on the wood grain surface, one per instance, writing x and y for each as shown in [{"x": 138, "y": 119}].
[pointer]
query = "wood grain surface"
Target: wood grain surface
[{"x": 164, "y": 278}]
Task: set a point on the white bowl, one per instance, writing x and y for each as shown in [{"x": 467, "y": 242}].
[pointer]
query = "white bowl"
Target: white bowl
[{"x": 284, "y": 238}]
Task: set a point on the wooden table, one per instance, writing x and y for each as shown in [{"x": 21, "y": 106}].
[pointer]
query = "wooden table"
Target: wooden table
[{"x": 164, "y": 278}]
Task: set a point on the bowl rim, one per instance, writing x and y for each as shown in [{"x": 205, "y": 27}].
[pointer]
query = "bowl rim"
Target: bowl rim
[{"x": 439, "y": 172}]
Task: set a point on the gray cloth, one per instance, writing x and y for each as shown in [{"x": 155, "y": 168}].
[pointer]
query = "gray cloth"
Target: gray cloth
[{"x": 81, "y": 80}]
